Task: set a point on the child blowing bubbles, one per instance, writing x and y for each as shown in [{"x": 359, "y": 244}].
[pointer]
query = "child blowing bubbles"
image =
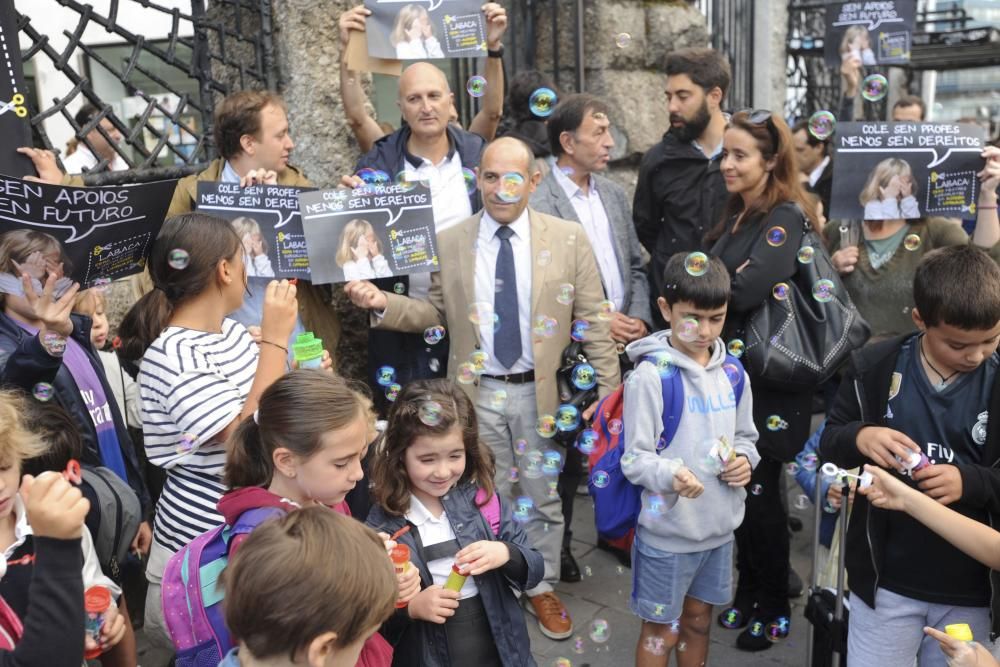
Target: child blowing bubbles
[
  {"x": 427, "y": 477},
  {"x": 682, "y": 557}
]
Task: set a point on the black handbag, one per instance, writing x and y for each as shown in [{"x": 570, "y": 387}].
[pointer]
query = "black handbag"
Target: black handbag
[{"x": 796, "y": 343}]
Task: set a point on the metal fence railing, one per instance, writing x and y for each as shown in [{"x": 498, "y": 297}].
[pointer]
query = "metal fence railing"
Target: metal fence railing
[{"x": 224, "y": 46}]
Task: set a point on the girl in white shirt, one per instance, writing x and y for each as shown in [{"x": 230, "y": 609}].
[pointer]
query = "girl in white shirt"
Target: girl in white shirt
[
  {"x": 413, "y": 34},
  {"x": 360, "y": 252}
]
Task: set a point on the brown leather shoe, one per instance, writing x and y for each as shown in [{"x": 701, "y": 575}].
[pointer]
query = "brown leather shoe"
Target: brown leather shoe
[{"x": 553, "y": 617}]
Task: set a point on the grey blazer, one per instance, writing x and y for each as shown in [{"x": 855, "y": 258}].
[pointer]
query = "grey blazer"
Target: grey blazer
[{"x": 549, "y": 197}]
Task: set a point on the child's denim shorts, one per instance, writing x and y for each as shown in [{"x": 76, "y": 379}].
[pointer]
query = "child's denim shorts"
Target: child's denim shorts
[{"x": 661, "y": 580}]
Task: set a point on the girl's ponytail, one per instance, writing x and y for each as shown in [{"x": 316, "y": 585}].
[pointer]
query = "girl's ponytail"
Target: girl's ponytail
[{"x": 248, "y": 461}]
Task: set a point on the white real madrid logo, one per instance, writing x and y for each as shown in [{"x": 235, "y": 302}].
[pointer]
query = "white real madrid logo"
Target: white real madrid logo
[{"x": 979, "y": 430}]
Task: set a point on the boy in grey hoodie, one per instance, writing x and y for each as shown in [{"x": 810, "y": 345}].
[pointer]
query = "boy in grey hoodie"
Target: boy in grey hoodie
[{"x": 693, "y": 495}]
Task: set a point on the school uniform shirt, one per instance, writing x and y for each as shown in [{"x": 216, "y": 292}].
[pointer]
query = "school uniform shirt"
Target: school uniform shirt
[
  {"x": 440, "y": 545},
  {"x": 949, "y": 425},
  {"x": 192, "y": 385}
]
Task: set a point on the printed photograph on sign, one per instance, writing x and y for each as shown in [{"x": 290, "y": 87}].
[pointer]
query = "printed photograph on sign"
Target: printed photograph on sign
[
  {"x": 376, "y": 231},
  {"x": 892, "y": 171},
  {"x": 267, "y": 220},
  {"x": 869, "y": 33},
  {"x": 426, "y": 29},
  {"x": 86, "y": 235}
]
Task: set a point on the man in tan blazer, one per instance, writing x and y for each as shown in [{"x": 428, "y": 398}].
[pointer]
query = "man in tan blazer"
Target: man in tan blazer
[{"x": 512, "y": 282}]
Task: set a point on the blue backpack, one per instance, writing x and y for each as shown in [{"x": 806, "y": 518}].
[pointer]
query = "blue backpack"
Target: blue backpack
[{"x": 617, "y": 501}]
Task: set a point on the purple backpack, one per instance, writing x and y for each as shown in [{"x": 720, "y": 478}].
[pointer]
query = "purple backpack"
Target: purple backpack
[{"x": 191, "y": 597}]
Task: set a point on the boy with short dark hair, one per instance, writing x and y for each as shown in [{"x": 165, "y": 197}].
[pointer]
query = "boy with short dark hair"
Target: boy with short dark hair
[
  {"x": 693, "y": 497},
  {"x": 930, "y": 395}
]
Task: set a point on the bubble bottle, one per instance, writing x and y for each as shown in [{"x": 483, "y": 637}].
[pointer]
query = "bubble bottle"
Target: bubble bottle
[
  {"x": 308, "y": 350},
  {"x": 915, "y": 462},
  {"x": 96, "y": 602},
  {"x": 966, "y": 652},
  {"x": 456, "y": 579},
  {"x": 400, "y": 556}
]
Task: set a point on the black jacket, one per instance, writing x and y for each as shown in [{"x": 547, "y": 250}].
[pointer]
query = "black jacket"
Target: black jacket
[
  {"x": 678, "y": 198},
  {"x": 862, "y": 401},
  {"x": 25, "y": 363},
  {"x": 824, "y": 187},
  {"x": 407, "y": 353}
]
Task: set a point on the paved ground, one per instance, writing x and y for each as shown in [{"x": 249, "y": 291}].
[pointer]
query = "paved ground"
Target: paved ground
[{"x": 604, "y": 592}]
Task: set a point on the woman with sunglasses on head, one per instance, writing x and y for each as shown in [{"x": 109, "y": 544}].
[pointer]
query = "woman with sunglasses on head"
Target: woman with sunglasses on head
[{"x": 758, "y": 240}]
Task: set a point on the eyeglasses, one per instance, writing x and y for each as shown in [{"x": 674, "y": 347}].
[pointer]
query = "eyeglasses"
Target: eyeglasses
[{"x": 762, "y": 117}]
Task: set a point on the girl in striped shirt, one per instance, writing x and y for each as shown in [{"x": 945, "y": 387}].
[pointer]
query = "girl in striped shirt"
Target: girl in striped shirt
[{"x": 201, "y": 374}]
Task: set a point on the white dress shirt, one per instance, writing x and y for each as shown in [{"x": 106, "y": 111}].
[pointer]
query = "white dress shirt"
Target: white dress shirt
[
  {"x": 594, "y": 218},
  {"x": 435, "y": 530},
  {"x": 449, "y": 198},
  {"x": 83, "y": 160},
  {"x": 487, "y": 250},
  {"x": 817, "y": 172}
]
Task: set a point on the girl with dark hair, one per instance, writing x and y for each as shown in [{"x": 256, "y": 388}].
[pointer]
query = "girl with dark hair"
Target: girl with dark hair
[
  {"x": 758, "y": 240},
  {"x": 433, "y": 475},
  {"x": 201, "y": 374}
]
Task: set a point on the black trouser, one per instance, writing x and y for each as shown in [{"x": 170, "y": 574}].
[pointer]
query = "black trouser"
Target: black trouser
[
  {"x": 762, "y": 540},
  {"x": 569, "y": 480}
]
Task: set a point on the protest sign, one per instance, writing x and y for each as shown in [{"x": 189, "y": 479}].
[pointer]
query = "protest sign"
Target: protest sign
[
  {"x": 98, "y": 234},
  {"x": 14, "y": 127},
  {"x": 884, "y": 171},
  {"x": 875, "y": 33},
  {"x": 267, "y": 220},
  {"x": 371, "y": 232},
  {"x": 415, "y": 30}
]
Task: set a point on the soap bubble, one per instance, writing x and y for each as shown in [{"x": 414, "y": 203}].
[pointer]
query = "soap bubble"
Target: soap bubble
[
  {"x": 600, "y": 479},
  {"x": 801, "y": 502},
  {"x": 654, "y": 646},
  {"x": 622, "y": 40},
  {"x": 874, "y": 87},
  {"x": 478, "y": 360},
  {"x": 736, "y": 347},
  {"x": 776, "y": 423},
  {"x": 523, "y": 507},
  {"x": 392, "y": 391},
  {"x": 628, "y": 457},
  {"x": 466, "y": 373},
  {"x": 566, "y": 294},
  {"x": 552, "y": 463},
  {"x": 777, "y": 629},
  {"x": 776, "y": 237},
  {"x": 43, "y": 391},
  {"x": 687, "y": 329},
  {"x": 780, "y": 291},
  {"x": 615, "y": 426},
  {"x": 587, "y": 441},
  {"x": 562, "y": 662},
  {"x": 406, "y": 181},
  {"x": 101, "y": 284},
  {"x": 654, "y": 505},
  {"x": 546, "y": 426},
  {"x": 823, "y": 290},
  {"x": 578, "y": 645},
  {"x": 911, "y": 242},
  {"x": 186, "y": 443},
  {"x": 584, "y": 377},
  {"x": 696, "y": 264},
  {"x": 731, "y": 618},
  {"x": 664, "y": 364},
  {"x": 578, "y": 330},
  {"x": 756, "y": 489},
  {"x": 599, "y": 630},
  {"x": 531, "y": 464},
  {"x": 809, "y": 461},
  {"x": 54, "y": 343},
  {"x": 510, "y": 187},
  {"x": 429, "y": 413},
  {"x": 520, "y": 446},
  {"x": 178, "y": 259},
  {"x": 567, "y": 417},
  {"x": 498, "y": 399},
  {"x": 480, "y": 312},
  {"x": 513, "y": 475},
  {"x": 476, "y": 86},
  {"x": 822, "y": 125},
  {"x": 385, "y": 376},
  {"x": 806, "y": 254},
  {"x": 434, "y": 335},
  {"x": 606, "y": 310},
  {"x": 399, "y": 288},
  {"x": 545, "y": 326},
  {"x": 792, "y": 468},
  {"x": 470, "y": 180},
  {"x": 733, "y": 373},
  {"x": 543, "y": 102}
]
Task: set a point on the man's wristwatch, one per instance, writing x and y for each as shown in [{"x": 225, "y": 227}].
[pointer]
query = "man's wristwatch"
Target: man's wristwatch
[{"x": 495, "y": 54}]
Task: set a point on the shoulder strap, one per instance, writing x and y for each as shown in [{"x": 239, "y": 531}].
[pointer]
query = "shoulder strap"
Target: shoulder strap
[
  {"x": 490, "y": 511},
  {"x": 741, "y": 385},
  {"x": 673, "y": 405}
]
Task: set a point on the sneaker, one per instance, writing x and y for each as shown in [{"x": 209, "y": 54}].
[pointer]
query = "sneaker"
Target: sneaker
[{"x": 553, "y": 617}]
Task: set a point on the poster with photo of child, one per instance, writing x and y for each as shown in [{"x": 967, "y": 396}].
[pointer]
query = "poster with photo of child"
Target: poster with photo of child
[
  {"x": 426, "y": 29},
  {"x": 90, "y": 236},
  {"x": 267, "y": 220},
  {"x": 869, "y": 33},
  {"x": 891, "y": 171},
  {"x": 375, "y": 231}
]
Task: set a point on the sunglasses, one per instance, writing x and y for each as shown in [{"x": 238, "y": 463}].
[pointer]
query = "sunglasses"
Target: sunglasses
[{"x": 760, "y": 117}]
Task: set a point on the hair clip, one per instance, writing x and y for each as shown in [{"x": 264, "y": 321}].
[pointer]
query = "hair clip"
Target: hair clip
[{"x": 72, "y": 473}]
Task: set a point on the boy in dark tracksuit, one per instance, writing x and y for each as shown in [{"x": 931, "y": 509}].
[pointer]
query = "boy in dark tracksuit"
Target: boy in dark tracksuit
[{"x": 929, "y": 392}]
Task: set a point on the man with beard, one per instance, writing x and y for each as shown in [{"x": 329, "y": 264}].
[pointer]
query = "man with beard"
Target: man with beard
[{"x": 680, "y": 190}]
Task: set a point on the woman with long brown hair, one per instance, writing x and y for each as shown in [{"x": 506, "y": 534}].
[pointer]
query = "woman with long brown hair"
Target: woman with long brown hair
[{"x": 758, "y": 240}]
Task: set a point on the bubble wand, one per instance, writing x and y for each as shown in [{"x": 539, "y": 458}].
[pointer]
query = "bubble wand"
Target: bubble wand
[{"x": 865, "y": 479}]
